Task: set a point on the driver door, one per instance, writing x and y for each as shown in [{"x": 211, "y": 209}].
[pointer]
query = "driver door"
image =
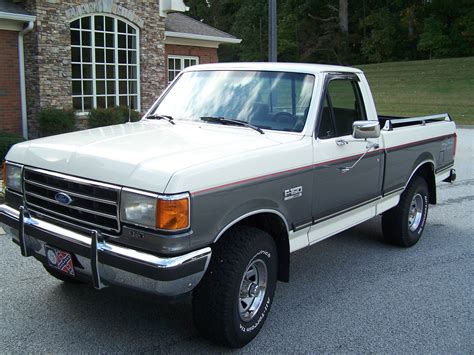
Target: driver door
[{"x": 336, "y": 191}]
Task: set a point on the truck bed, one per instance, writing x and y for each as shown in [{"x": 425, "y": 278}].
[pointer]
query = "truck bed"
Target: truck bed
[{"x": 411, "y": 142}]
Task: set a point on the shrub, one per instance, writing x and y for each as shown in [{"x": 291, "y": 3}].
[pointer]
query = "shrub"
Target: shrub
[
  {"x": 110, "y": 116},
  {"x": 56, "y": 121},
  {"x": 6, "y": 141}
]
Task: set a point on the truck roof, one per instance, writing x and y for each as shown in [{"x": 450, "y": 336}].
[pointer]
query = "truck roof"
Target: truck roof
[{"x": 285, "y": 67}]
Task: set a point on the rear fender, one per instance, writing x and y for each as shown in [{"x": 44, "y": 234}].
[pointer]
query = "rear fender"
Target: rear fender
[{"x": 425, "y": 167}]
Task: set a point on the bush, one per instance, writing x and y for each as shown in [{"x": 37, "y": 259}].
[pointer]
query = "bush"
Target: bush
[
  {"x": 110, "y": 116},
  {"x": 56, "y": 121},
  {"x": 6, "y": 141}
]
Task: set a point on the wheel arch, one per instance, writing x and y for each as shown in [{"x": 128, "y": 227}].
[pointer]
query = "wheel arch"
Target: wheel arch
[
  {"x": 275, "y": 224},
  {"x": 426, "y": 170}
]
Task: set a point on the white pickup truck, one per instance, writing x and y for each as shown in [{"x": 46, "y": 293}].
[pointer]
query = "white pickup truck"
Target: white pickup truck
[{"x": 234, "y": 167}]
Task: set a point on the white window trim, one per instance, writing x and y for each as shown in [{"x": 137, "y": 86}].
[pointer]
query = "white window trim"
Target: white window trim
[
  {"x": 182, "y": 58},
  {"x": 93, "y": 63}
]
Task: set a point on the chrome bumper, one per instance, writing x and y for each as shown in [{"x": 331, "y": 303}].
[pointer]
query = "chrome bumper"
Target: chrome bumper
[{"x": 104, "y": 262}]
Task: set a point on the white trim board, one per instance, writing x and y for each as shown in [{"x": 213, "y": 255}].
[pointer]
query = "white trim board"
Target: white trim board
[
  {"x": 191, "y": 42},
  {"x": 201, "y": 37},
  {"x": 17, "y": 17},
  {"x": 11, "y": 25}
]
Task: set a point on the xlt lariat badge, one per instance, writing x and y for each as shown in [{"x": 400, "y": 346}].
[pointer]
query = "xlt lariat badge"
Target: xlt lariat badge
[{"x": 292, "y": 193}]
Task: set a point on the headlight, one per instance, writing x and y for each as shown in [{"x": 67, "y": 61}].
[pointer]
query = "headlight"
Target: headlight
[
  {"x": 163, "y": 212},
  {"x": 12, "y": 176}
]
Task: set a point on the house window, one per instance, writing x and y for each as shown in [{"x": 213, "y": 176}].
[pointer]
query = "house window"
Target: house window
[
  {"x": 105, "y": 67},
  {"x": 176, "y": 63}
]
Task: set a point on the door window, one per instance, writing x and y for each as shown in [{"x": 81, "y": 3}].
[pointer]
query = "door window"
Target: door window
[
  {"x": 343, "y": 105},
  {"x": 326, "y": 128}
]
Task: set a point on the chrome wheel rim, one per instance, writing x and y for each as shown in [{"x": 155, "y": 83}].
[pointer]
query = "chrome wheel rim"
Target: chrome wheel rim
[
  {"x": 252, "y": 289},
  {"x": 415, "y": 213}
]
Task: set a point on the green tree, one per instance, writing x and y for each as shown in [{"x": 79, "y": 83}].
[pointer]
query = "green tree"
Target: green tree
[
  {"x": 251, "y": 24},
  {"x": 432, "y": 39},
  {"x": 381, "y": 43},
  {"x": 343, "y": 31}
]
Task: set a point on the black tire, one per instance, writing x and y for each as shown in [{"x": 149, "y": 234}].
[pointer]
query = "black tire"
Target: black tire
[
  {"x": 396, "y": 225},
  {"x": 61, "y": 276},
  {"x": 217, "y": 304}
]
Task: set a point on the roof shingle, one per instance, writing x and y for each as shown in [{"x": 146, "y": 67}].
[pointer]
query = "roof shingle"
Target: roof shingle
[
  {"x": 177, "y": 22},
  {"x": 12, "y": 8}
]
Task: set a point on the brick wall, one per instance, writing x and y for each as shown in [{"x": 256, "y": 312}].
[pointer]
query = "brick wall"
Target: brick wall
[
  {"x": 206, "y": 55},
  {"x": 10, "y": 100}
]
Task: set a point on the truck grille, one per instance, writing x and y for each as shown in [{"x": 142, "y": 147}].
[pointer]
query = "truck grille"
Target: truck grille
[{"x": 90, "y": 205}]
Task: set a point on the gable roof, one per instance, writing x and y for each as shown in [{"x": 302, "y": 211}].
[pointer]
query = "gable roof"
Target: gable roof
[
  {"x": 179, "y": 25},
  {"x": 12, "y": 11}
]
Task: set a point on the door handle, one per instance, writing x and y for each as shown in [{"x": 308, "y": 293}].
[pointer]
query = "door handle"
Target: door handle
[
  {"x": 341, "y": 142},
  {"x": 369, "y": 147}
]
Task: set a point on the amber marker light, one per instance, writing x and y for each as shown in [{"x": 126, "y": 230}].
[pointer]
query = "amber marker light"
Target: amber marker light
[{"x": 172, "y": 214}]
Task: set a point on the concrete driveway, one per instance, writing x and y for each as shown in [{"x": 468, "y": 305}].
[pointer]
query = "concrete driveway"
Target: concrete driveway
[{"x": 350, "y": 293}]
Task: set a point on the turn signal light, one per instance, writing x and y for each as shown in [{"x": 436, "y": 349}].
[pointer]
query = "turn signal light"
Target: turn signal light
[{"x": 172, "y": 214}]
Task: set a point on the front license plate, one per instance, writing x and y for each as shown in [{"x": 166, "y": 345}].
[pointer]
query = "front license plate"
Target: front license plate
[{"x": 60, "y": 260}]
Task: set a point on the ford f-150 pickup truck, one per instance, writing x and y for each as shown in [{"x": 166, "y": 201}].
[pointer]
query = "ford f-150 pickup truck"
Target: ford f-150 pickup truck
[{"x": 232, "y": 169}]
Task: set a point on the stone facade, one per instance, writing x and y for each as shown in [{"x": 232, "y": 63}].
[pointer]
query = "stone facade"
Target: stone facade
[
  {"x": 10, "y": 104},
  {"x": 48, "y": 51},
  {"x": 48, "y": 66}
]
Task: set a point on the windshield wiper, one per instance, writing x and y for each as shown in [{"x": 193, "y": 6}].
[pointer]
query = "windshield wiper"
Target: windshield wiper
[
  {"x": 156, "y": 116},
  {"x": 231, "y": 121}
]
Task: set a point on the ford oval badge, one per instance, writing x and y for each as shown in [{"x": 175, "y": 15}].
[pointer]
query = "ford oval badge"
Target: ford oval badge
[{"x": 63, "y": 198}]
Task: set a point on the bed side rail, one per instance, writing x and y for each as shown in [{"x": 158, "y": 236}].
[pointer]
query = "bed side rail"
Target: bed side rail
[{"x": 394, "y": 122}]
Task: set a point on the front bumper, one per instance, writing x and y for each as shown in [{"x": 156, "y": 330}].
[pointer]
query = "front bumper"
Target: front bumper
[{"x": 104, "y": 262}]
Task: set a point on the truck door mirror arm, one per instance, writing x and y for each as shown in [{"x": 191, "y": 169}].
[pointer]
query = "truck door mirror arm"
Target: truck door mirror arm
[
  {"x": 369, "y": 147},
  {"x": 361, "y": 130}
]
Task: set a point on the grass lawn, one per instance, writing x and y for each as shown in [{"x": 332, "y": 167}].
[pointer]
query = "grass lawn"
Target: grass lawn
[{"x": 424, "y": 87}]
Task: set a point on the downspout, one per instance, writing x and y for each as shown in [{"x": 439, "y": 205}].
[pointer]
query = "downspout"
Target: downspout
[{"x": 21, "y": 59}]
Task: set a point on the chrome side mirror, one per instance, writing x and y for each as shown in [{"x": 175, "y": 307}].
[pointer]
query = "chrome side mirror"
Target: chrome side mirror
[{"x": 365, "y": 129}]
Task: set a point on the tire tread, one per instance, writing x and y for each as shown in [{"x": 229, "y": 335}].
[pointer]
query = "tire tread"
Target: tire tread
[
  {"x": 213, "y": 298},
  {"x": 394, "y": 225}
]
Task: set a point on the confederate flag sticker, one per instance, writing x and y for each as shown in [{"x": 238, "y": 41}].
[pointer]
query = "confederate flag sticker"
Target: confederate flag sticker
[{"x": 59, "y": 260}]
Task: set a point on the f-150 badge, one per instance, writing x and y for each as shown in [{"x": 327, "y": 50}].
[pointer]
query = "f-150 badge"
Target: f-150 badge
[{"x": 292, "y": 193}]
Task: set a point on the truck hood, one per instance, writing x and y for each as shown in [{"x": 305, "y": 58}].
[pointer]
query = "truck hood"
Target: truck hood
[{"x": 142, "y": 155}]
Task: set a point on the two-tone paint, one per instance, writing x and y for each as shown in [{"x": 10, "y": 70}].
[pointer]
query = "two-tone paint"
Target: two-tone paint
[{"x": 234, "y": 173}]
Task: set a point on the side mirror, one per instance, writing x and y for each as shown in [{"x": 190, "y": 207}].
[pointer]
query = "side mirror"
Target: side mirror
[{"x": 365, "y": 129}]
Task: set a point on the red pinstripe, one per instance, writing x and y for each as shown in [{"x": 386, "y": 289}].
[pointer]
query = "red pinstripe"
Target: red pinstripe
[{"x": 311, "y": 166}]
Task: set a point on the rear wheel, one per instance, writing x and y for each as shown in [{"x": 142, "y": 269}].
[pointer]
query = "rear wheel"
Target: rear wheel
[
  {"x": 233, "y": 299},
  {"x": 403, "y": 225}
]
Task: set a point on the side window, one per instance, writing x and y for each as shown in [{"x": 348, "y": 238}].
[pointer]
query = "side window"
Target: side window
[
  {"x": 326, "y": 127},
  {"x": 347, "y": 105}
]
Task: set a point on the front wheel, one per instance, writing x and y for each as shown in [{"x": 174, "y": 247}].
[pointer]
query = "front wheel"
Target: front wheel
[
  {"x": 233, "y": 299},
  {"x": 403, "y": 225}
]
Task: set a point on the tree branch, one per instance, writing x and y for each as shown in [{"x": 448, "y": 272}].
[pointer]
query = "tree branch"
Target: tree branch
[{"x": 323, "y": 19}]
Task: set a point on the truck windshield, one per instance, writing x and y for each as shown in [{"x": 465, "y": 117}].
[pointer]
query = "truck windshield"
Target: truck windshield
[{"x": 268, "y": 100}]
